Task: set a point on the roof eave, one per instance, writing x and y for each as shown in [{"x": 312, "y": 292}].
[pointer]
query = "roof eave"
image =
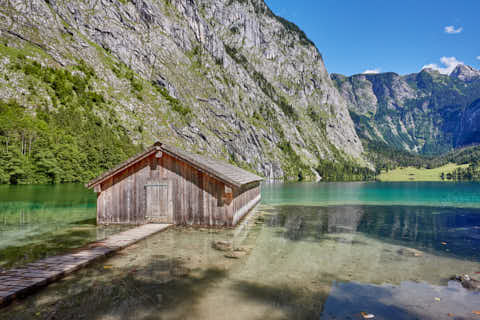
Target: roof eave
[
  {"x": 185, "y": 158},
  {"x": 121, "y": 167}
]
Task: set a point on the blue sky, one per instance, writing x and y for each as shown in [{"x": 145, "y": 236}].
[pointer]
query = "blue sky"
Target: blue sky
[{"x": 388, "y": 35}]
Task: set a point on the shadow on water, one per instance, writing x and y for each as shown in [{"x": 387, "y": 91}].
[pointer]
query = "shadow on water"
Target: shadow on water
[
  {"x": 302, "y": 303},
  {"x": 92, "y": 221},
  {"x": 150, "y": 292},
  {"x": 53, "y": 243},
  {"x": 443, "y": 231},
  {"x": 409, "y": 300},
  {"x": 45, "y": 245},
  {"x": 296, "y": 302},
  {"x": 37, "y": 221},
  {"x": 178, "y": 275}
]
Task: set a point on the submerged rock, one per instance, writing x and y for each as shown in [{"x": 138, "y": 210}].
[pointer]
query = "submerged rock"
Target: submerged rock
[
  {"x": 180, "y": 271},
  {"x": 243, "y": 249},
  {"x": 410, "y": 252},
  {"x": 235, "y": 254},
  {"x": 259, "y": 220},
  {"x": 467, "y": 282},
  {"x": 222, "y": 245}
]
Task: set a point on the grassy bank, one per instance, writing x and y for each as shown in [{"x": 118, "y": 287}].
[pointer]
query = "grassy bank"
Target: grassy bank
[{"x": 415, "y": 174}]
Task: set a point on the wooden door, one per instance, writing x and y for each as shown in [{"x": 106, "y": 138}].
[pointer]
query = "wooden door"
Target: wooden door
[{"x": 159, "y": 202}]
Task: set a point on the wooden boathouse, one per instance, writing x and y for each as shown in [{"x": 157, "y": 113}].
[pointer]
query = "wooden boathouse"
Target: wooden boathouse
[{"x": 164, "y": 184}]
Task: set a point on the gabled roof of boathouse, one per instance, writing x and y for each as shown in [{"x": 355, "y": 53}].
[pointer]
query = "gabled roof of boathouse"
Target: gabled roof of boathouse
[{"x": 220, "y": 170}]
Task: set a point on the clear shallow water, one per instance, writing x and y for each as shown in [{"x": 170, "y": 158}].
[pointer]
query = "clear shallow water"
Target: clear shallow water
[
  {"x": 43, "y": 220},
  {"x": 303, "y": 262}
]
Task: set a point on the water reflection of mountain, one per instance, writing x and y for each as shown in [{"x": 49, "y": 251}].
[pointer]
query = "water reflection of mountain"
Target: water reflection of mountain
[
  {"x": 451, "y": 231},
  {"x": 409, "y": 300}
]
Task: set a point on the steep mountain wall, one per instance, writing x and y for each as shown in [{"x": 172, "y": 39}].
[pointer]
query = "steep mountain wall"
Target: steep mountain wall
[
  {"x": 427, "y": 112},
  {"x": 226, "y": 78}
]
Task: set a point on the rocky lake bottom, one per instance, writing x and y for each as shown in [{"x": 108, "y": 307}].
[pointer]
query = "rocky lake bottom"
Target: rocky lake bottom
[{"x": 286, "y": 261}]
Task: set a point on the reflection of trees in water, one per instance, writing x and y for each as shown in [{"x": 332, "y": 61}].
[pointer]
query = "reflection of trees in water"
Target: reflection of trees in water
[
  {"x": 344, "y": 219},
  {"x": 450, "y": 230},
  {"x": 421, "y": 227},
  {"x": 301, "y": 223}
]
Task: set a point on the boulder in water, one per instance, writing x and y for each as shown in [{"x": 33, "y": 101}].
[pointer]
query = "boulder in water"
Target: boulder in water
[
  {"x": 467, "y": 282},
  {"x": 180, "y": 271},
  {"x": 222, "y": 245},
  {"x": 410, "y": 252},
  {"x": 235, "y": 254}
]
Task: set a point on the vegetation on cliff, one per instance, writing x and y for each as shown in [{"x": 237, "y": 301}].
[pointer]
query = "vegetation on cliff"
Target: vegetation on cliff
[
  {"x": 106, "y": 78},
  {"x": 427, "y": 112},
  {"x": 68, "y": 143}
]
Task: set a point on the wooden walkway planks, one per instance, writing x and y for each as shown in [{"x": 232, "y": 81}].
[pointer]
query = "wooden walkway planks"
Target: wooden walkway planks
[{"x": 22, "y": 281}]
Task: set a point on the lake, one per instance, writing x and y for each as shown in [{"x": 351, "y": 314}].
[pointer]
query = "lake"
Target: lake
[
  {"x": 39, "y": 221},
  {"x": 310, "y": 251}
]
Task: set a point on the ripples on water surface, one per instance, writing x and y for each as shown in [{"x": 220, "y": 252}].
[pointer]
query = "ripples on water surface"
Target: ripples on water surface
[{"x": 328, "y": 251}]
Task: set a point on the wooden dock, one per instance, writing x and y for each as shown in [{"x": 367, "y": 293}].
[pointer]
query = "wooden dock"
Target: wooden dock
[{"x": 22, "y": 281}]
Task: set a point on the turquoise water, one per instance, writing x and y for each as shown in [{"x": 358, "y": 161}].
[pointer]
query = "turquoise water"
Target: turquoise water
[
  {"x": 44, "y": 220},
  {"x": 310, "y": 251},
  {"x": 60, "y": 195},
  {"x": 462, "y": 194}
]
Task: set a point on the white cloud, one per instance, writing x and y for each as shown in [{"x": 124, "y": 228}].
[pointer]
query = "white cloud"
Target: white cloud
[
  {"x": 373, "y": 71},
  {"x": 449, "y": 64},
  {"x": 453, "y": 30},
  {"x": 478, "y": 57}
]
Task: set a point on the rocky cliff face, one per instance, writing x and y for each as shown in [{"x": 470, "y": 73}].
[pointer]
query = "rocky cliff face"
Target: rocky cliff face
[
  {"x": 427, "y": 112},
  {"x": 226, "y": 78}
]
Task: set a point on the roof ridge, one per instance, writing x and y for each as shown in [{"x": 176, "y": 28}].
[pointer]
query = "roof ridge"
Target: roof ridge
[{"x": 230, "y": 174}]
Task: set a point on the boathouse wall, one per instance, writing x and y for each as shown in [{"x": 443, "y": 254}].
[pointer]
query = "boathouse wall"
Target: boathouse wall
[{"x": 192, "y": 196}]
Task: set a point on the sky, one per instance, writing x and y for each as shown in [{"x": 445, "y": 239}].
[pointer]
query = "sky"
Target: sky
[{"x": 402, "y": 36}]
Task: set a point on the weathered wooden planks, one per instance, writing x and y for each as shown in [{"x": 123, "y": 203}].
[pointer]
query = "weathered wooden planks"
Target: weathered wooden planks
[
  {"x": 244, "y": 200},
  {"x": 22, "y": 281},
  {"x": 194, "y": 197}
]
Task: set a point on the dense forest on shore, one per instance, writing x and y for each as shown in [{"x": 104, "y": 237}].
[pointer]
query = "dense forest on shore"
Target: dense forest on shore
[
  {"x": 72, "y": 143},
  {"x": 68, "y": 143},
  {"x": 386, "y": 158},
  {"x": 344, "y": 171}
]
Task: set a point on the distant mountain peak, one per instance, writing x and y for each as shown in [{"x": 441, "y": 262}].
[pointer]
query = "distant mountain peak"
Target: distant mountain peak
[
  {"x": 427, "y": 112},
  {"x": 430, "y": 71},
  {"x": 465, "y": 73}
]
